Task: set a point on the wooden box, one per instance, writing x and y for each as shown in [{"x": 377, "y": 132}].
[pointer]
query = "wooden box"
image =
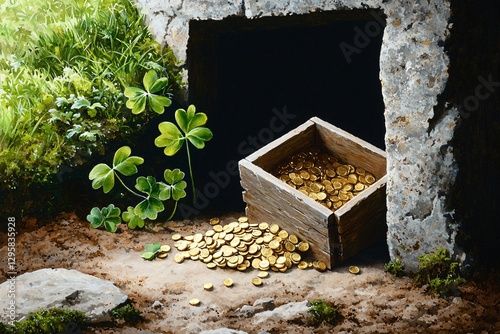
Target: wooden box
[{"x": 333, "y": 236}]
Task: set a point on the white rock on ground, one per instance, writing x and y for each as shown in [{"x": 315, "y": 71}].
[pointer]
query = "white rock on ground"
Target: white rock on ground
[{"x": 48, "y": 288}]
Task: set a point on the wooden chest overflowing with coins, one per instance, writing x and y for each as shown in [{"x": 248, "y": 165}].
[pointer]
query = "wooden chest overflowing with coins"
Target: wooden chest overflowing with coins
[{"x": 322, "y": 184}]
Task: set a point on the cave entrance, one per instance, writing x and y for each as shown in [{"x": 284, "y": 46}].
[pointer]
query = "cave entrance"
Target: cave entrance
[{"x": 257, "y": 79}]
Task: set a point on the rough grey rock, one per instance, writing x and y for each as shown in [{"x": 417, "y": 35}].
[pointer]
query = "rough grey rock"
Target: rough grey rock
[
  {"x": 47, "y": 288},
  {"x": 246, "y": 311},
  {"x": 264, "y": 304},
  {"x": 223, "y": 331},
  {"x": 286, "y": 312}
]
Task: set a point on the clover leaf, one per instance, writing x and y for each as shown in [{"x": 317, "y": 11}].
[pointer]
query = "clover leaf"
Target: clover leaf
[
  {"x": 109, "y": 216},
  {"x": 156, "y": 193},
  {"x": 139, "y": 98},
  {"x": 150, "y": 251},
  {"x": 190, "y": 123},
  {"x": 132, "y": 219},
  {"x": 175, "y": 184},
  {"x": 104, "y": 176}
]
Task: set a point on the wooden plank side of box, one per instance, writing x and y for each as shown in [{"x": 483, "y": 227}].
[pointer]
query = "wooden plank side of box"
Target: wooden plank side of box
[
  {"x": 271, "y": 200},
  {"x": 350, "y": 149},
  {"x": 363, "y": 222}
]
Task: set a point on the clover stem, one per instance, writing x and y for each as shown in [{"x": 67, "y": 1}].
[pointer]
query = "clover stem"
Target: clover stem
[
  {"x": 191, "y": 172},
  {"x": 130, "y": 190},
  {"x": 173, "y": 211}
]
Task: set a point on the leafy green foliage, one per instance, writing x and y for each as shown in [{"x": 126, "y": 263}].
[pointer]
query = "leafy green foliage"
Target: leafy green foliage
[
  {"x": 63, "y": 68},
  {"x": 175, "y": 184},
  {"x": 140, "y": 98},
  {"x": 54, "y": 320},
  {"x": 439, "y": 272},
  {"x": 150, "y": 251},
  {"x": 151, "y": 192},
  {"x": 322, "y": 311},
  {"x": 134, "y": 221},
  {"x": 104, "y": 176},
  {"x": 191, "y": 125},
  {"x": 394, "y": 267},
  {"x": 109, "y": 216},
  {"x": 129, "y": 314}
]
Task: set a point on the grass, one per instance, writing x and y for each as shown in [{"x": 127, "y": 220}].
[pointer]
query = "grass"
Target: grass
[{"x": 63, "y": 67}]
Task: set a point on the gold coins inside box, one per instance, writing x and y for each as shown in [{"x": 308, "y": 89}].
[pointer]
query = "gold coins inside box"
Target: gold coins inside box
[
  {"x": 241, "y": 245},
  {"x": 323, "y": 177}
]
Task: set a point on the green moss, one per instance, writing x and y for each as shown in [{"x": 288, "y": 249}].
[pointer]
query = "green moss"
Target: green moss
[
  {"x": 52, "y": 321},
  {"x": 322, "y": 311},
  {"x": 394, "y": 267},
  {"x": 129, "y": 314},
  {"x": 439, "y": 272}
]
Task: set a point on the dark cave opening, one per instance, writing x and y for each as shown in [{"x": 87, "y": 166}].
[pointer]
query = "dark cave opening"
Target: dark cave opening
[{"x": 258, "y": 79}]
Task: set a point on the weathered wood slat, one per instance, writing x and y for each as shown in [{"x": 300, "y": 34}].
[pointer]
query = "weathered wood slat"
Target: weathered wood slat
[{"x": 333, "y": 236}]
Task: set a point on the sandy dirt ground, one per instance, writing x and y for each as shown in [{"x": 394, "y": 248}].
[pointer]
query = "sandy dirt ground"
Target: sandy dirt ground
[{"x": 371, "y": 302}]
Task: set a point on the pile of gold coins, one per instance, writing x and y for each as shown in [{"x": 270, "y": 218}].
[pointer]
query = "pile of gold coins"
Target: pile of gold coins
[
  {"x": 323, "y": 177},
  {"x": 241, "y": 245}
]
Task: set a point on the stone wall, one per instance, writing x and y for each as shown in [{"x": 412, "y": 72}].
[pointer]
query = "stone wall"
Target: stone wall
[{"x": 413, "y": 71}]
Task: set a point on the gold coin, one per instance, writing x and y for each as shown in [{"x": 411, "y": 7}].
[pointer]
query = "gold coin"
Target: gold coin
[
  {"x": 227, "y": 282},
  {"x": 183, "y": 246},
  {"x": 303, "y": 246},
  {"x": 208, "y": 286},
  {"x": 347, "y": 187},
  {"x": 264, "y": 265},
  {"x": 297, "y": 181},
  {"x": 330, "y": 173},
  {"x": 289, "y": 246},
  {"x": 214, "y": 221},
  {"x": 165, "y": 248},
  {"x": 283, "y": 234},
  {"x": 342, "y": 170},
  {"x": 321, "y": 266},
  {"x": 179, "y": 258},
  {"x": 198, "y": 237},
  {"x": 314, "y": 196},
  {"x": 337, "y": 205},
  {"x": 211, "y": 265},
  {"x": 243, "y": 219},
  {"x": 337, "y": 185},
  {"x": 302, "y": 265},
  {"x": 304, "y": 175},
  {"x": 217, "y": 228},
  {"x": 359, "y": 187},
  {"x": 256, "y": 281},
  {"x": 274, "y": 228},
  {"x": 352, "y": 179},
  {"x": 263, "y": 226},
  {"x": 296, "y": 258},
  {"x": 329, "y": 189},
  {"x": 194, "y": 252},
  {"x": 263, "y": 274},
  {"x": 360, "y": 171},
  {"x": 293, "y": 239},
  {"x": 162, "y": 255},
  {"x": 369, "y": 178},
  {"x": 274, "y": 244},
  {"x": 321, "y": 196},
  {"x": 189, "y": 237},
  {"x": 354, "y": 270},
  {"x": 176, "y": 237},
  {"x": 194, "y": 302},
  {"x": 256, "y": 263}
]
